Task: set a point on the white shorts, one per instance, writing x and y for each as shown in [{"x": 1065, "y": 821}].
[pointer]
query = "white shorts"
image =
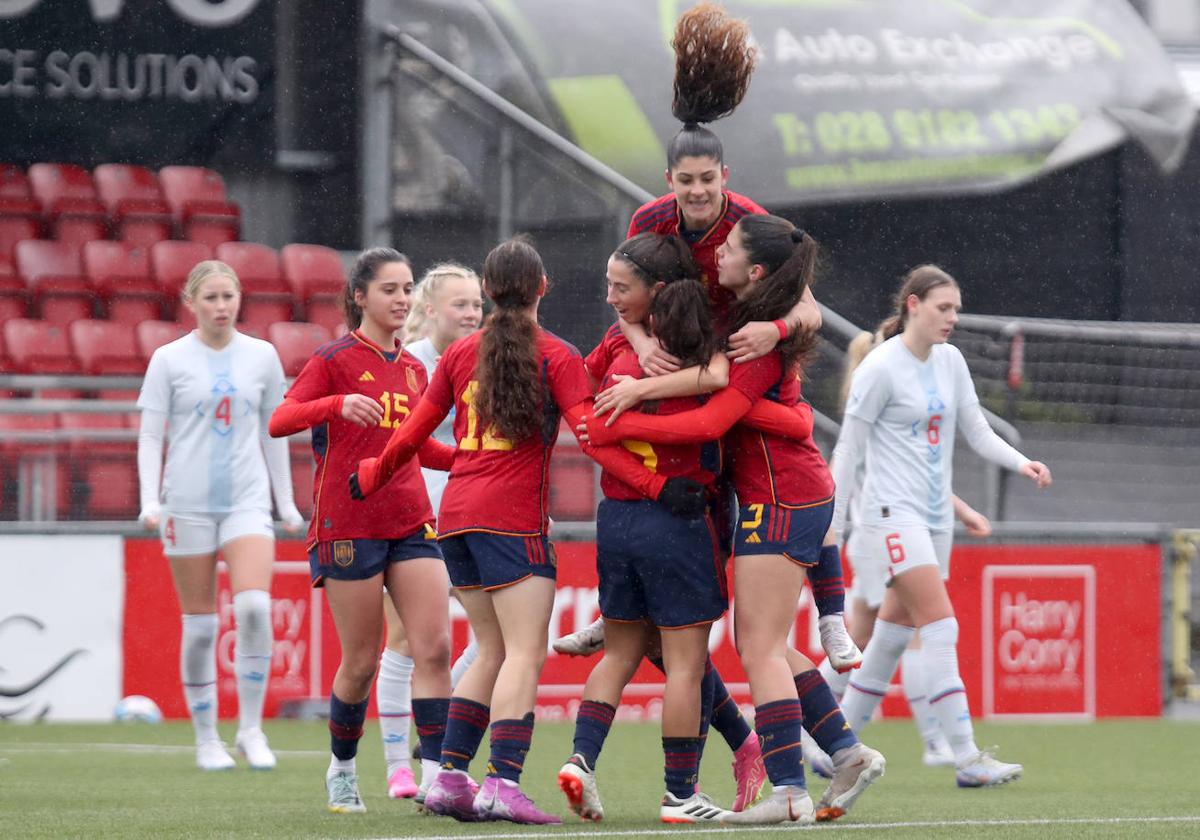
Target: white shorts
[
  {"x": 879, "y": 554},
  {"x": 187, "y": 534}
]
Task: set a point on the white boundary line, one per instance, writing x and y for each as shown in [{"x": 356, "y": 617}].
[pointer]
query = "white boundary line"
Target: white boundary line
[
  {"x": 675, "y": 832},
  {"x": 116, "y": 746}
]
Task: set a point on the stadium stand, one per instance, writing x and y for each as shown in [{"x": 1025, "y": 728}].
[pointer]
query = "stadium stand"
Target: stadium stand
[
  {"x": 38, "y": 347},
  {"x": 266, "y": 297},
  {"x": 54, "y": 278},
  {"x": 295, "y": 343},
  {"x": 120, "y": 274},
  {"x": 170, "y": 263},
  {"x": 154, "y": 334},
  {"x": 317, "y": 279},
  {"x": 198, "y": 202},
  {"x": 137, "y": 211},
  {"x": 69, "y": 202},
  {"x": 106, "y": 348}
]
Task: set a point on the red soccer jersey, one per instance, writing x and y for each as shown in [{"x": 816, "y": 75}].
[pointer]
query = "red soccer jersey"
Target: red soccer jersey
[
  {"x": 700, "y": 462},
  {"x": 354, "y": 364},
  {"x": 662, "y": 216},
  {"x": 601, "y": 359},
  {"x": 498, "y": 485},
  {"x": 768, "y": 469}
]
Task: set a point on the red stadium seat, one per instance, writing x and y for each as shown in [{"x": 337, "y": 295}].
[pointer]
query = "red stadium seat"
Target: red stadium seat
[
  {"x": 106, "y": 348},
  {"x": 53, "y": 274},
  {"x": 134, "y": 202},
  {"x": 104, "y": 475},
  {"x": 328, "y": 314},
  {"x": 313, "y": 271},
  {"x": 296, "y": 342},
  {"x": 39, "y": 347},
  {"x": 170, "y": 263},
  {"x": 14, "y": 229},
  {"x": 29, "y": 463},
  {"x": 16, "y": 199},
  {"x": 197, "y": 199},
  {"x": 120, "y": 274},
  {"x": 154, "y": 334},
  {"x": 69, "y": 201},
  {"x": 266, "y": 297}
]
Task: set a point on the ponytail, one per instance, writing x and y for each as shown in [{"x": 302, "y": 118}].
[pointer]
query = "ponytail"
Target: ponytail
[
  {"x": 682, "y": 323},
  {"x": 509, "y": 395},
  {"x": 920, "y": 282}
]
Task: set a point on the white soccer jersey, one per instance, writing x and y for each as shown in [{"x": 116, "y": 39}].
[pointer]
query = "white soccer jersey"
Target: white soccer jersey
[
  {"x": 913, "y": 408},
  {"x": 218, "y": 404},
  {"x": 435, "y": 480}
]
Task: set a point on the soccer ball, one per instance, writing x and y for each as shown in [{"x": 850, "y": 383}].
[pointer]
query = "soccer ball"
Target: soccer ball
[{"x": 137, "y": 708}]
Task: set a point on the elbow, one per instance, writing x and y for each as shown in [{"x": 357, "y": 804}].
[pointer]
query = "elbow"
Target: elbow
[{"x": 719, "y": 377}]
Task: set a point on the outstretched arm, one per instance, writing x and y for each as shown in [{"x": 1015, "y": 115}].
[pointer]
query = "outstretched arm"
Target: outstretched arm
[
  {"x": 792, "y": 422},
  {"x": 709, "y": 422},
  {"x": 989, "y": 445},
  {"x": 405, "y": 441},
  {"x": 435, "y": 455},
  {"x": 627, "y": 392}
]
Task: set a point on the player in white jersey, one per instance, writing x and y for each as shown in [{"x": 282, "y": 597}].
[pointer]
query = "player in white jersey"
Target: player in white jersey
[
  {"x": 212, "y": 393},
  {"x": 447, "y": 305},
  {"x": 907, "y": 400}
]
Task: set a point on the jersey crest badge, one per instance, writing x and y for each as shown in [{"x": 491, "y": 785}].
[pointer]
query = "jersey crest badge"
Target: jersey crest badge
[{"x": 411, "y": 378}]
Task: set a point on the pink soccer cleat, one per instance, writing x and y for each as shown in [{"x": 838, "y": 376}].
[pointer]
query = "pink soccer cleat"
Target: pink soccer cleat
[
  {"x": 450, "y": 795},
  {"x": 749, "y": 772},
  {"x": 402, "y": 784},
  {"x": 500, "y": 799}
]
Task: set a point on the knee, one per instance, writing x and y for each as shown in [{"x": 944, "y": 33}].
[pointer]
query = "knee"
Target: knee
[
  {"x": 252, "y": 612},
  {"x": 359, "y": 670},
  {"x": 432, "y": 653}
]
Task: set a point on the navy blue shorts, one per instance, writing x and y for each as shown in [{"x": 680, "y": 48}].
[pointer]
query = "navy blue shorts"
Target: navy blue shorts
[
  {"x": 477, "y": 560},
  {"x": 794, "y": 532},
  {"x": 653, "y": 565},
  {"x": 363, "y": 559}
]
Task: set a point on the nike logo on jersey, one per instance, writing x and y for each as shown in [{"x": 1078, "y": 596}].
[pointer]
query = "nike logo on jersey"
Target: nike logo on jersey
[{"x": 367, "y": 376}]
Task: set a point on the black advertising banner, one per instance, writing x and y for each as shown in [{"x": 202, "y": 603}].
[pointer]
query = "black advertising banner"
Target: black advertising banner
[
  {"x": 857, "y": 99},
  {"x": 153, "y": 82}
]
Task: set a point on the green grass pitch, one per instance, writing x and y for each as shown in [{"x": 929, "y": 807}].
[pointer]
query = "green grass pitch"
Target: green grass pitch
[{"x": 1122, "y": 779}]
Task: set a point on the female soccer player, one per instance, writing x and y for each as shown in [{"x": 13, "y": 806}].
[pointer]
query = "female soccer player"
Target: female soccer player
[
  {"x": 906, "y": 401},
  {"x": 352, "y": 393},
  {"x": 785, "y": 495},
  {"x": 511, "y": 383},
  {"x": 446, "y": 305},
  {"x": 212, "y": 391}
]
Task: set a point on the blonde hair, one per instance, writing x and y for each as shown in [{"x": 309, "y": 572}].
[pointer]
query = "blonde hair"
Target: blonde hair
[
  {"x": 416, "y": 325},
  {"x": 205, "y": 269},
  {"x": 856, "y": 351}
]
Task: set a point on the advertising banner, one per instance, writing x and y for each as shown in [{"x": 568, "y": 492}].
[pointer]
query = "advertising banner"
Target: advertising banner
[
  {"x": 153, "y": 82},
  {"x": 60, "y": 627},
  {"x": 852, "y": 99},
  {"x": 1032, "y": 619}
]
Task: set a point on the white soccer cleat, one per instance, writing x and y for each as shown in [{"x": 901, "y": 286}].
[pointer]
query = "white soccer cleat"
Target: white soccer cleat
[
  {"x": 983, "y": 770},
  {"x": 697, "y": 808},
  {"x": 855, "y": 768},
  {"x": 252, "y": 744},
  {"x": 578, "y": 783},
  {"x": 787, "y": 803},
  {"x": 839, "y": 647},
  {"x": 342, "y": 787},
  {"x": 937, "y": 753},
  {"x": 583, "y": 642},
  {"x": 816, "y": 758},
  {"x": 211, "y": 755}
]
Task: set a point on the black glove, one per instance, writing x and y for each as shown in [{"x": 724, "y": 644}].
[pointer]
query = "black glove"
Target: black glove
[
  {"x": 684, "y": 497},
  {"x": 355, "y": 491}
]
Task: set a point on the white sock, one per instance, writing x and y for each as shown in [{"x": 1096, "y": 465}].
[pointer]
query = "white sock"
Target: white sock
[
  {"x": 198, "y": 670},
  {"x": 913, "y": 680},
  {"x": 944, "y": 687},
  {"x": 393, "y": 691},
  {"x": 837, "y": 682},
  {"x": 252, "y": 654},
  {"x": 870, "y": 682},
  {"x": 336, "y": 765},
  {"x": 430, "y": 767},
  {"x": 463, "y": 662}
]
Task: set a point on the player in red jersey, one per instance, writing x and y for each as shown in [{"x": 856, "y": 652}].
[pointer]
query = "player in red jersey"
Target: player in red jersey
[
  {"x": 511, "y": 382},
  {"x": 352, "y": 393},
  {"x": 785, "y": 495}
]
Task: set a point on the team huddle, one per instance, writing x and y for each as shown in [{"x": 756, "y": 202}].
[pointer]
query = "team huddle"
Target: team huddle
[{"x": 432, "y": 430}]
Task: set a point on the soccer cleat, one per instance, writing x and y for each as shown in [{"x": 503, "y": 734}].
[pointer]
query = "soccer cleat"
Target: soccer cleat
[
  {"x": 983, "y": 770},
  {"x": 451, "y": 795},
  {"x": 816, "y": 758},
  {"x": 749, "y": 773},
  {"x": 855, "y": 768},
  {"x": 787, "y": 803},
  {"x": 937, "y": 753},
  {"x": 252, "y": 743},
  {"x": 839, "y": 647},
  {"x": 583, "y": 642},
  {"x": 211, "y": 755},
  {"x": 343, "y": 793},
  {"x": 579, "y": 784},
  {"x": 402, "y": 784},
  {"x": 697, "y": 808},
  {"x": 501, "y": 799}
]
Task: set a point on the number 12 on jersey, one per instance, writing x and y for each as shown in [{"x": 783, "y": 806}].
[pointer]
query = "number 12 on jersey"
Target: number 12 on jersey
[{"x": 471, "y": 440}]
